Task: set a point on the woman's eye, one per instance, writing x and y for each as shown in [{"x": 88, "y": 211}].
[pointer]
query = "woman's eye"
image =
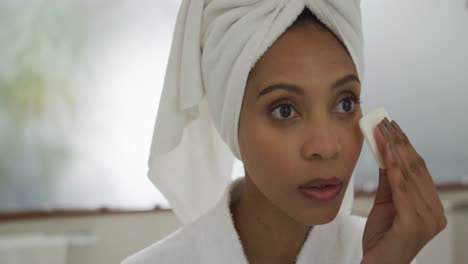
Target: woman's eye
[
  {"x": 284, "y": 111},
  {"x": 347, "y": 105}
]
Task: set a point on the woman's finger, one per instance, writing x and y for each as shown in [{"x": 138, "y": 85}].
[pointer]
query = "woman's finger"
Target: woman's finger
[
  {"x": 413, "y": 215},
  {"x": 423, "y": 193},
  {"x": 380, "y": 141},
  {"x": 384, "y": 192},
  {"x": 412, "y": 153},
  {"x": 414, "y": 164},
  {"x": 398, "y": 185},
  {"x": 424, "y": 224},
  {"x": 414, "y": 169}
]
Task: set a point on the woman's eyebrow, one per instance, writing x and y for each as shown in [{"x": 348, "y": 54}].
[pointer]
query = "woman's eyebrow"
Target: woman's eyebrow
[
  {"x": 298, "y": 90},
  {"x": 344, "y": 80},
  {"x": 282, "y": 86}
]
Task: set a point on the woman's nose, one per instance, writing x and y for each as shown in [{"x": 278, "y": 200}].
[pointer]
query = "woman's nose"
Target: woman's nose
[{"x": 320, "y": 143}]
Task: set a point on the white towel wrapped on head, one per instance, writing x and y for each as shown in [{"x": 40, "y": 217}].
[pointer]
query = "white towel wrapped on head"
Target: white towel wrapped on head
[{"x": 216, "y": 43}]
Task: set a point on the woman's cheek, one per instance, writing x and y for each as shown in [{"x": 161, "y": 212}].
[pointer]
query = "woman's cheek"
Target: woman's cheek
[{"x": 271, "y": 143}]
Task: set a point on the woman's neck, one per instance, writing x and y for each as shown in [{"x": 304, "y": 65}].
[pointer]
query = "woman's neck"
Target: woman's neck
[{"x": 267, "y": 234}]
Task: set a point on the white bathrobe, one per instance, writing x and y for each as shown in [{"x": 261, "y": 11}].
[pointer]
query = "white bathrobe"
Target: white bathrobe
[{"x": 213, "y": 239}]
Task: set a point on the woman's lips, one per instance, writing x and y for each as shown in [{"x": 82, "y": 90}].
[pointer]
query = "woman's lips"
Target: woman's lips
[{"x": 321, "y": 189}]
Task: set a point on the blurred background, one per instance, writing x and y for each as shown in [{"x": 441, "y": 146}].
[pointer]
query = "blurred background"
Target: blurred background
[{"x": 79, "y": 91}]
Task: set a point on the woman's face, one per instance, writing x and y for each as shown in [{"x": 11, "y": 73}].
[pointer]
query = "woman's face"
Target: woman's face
[{"x": 299, "y": 121}]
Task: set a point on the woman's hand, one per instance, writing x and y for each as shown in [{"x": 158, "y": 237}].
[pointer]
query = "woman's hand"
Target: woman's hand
[{"x": 407, "y": 211}]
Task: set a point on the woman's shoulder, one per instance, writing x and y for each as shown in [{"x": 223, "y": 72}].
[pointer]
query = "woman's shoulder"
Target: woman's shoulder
[
  {"x": 191, "y": 242},
  {"x": 336, "y": 242},
  {"x": 178, "y": 247}
]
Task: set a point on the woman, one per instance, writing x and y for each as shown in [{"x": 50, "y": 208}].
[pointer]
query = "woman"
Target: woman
[{"x": 281, "y": 88}]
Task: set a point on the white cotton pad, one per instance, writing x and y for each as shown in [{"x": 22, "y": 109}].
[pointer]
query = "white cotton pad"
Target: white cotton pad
[{"x": 367, "y": 125}]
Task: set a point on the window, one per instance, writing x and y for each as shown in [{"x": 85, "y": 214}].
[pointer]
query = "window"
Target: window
[
  {"x": 80, "y": 84},
  {"x": 79, "y": 91}
]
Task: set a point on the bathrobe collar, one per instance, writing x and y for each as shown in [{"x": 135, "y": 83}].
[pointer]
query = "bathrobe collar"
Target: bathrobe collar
[{"x": 319, "y": 245}]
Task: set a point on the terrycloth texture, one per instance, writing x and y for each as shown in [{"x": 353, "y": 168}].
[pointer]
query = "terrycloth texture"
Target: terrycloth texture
[
  {"x": 215, "y": 45},
  {"x": 213, "y": 239}
]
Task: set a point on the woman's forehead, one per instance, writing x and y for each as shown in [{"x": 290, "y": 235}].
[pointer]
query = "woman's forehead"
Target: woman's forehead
[{"x": 304, "y": 55}]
